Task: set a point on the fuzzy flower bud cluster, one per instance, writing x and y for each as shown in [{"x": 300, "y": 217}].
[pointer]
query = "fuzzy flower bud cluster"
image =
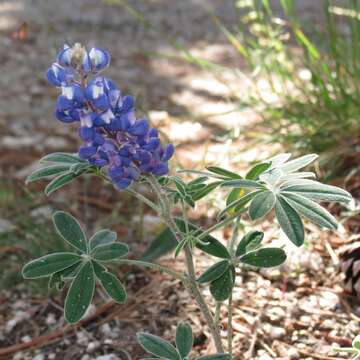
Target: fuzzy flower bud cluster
[{"x": 112, "y": 135}]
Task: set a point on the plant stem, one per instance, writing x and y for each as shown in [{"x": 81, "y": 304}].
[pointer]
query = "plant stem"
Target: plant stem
[
  {"x": 155, "y": 266},
  {"x": 231, "y": 248},
  {"x": 217, "y": 313},
  {"x": 191, "y": 283}
]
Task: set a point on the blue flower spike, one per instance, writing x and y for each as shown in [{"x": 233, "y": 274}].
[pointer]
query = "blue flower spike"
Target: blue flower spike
[{"x": 112, "y": 135}]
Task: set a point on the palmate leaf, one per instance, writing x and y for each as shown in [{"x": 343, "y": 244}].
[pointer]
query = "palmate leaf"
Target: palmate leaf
[
  {"x": 157, "y": 346},
  {"x": 49, "y": 264},
  {"x": 110, "y": 252},
  {"x": 264, "y": 258},
  {"x": 70, "y": 230},
  {"x": 110, "y": 283},
  {"x": 184, "y": 339},
  {"x": 289, "y": 221},
  {"x": 80, "y": 294},
  {"x": 214, "y": 272}
]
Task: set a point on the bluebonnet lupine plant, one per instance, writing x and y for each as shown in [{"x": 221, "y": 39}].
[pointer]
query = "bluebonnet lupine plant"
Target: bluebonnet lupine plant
[
  {"x": 114, "y": 140},
  {"x": 112, "y": 135}
]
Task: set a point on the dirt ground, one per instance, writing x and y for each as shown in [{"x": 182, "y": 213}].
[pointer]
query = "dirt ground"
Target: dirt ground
[{"x": 296, "y": 312}]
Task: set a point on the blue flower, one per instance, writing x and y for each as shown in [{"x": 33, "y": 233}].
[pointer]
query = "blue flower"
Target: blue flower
[{"x": 112, "y": 135}]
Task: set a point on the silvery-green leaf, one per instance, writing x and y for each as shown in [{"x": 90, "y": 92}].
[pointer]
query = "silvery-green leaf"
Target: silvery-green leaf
[
  {"x": 289, "y": 221},
  {"x": 157, "y": 346},
  {"x": 80, "y": 294},
  {"x": 261, "y": 205},
  {"x": 249, "y": 242},
  {"x": 102, "y": 237},
  {"x": 279, "y": 159},
  {"x": 64, "y": 158},
  {"x": 298, "y": 163},
  {"x": 184, "y": 339},
  {"x": 110, "y": 252},
  {"x": 311, "y": 210},
  {"x": 298, "y": 175},
  {"x": 316, "y": 191},
  {"x": 46, "y": 172},
  {"x": 223, "y": 172},
  {"x": 243, "y": 183},
  {"x": 60, "y": 181},
  {"x": 79, "y": 168},
  {"x": 112, "y": 285},
  {"x": 49, "y": 264},
  {"x": 70, "y": 230},
  {"x": 213, "y": 272},
  {"x": 271, "y": 177},
  {"x": 264, "y": 258}
]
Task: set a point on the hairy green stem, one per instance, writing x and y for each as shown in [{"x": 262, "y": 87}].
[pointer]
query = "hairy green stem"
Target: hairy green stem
[
  {"x": 231, "y": 248},
  {"x": 155, "y": 266},
  {"x": 191, "y": 284}
]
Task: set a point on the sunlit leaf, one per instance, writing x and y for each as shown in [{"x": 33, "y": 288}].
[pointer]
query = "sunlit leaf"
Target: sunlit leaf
[
  {"x": 261, "y": 205},
  {"x": 289, "y": 221}
]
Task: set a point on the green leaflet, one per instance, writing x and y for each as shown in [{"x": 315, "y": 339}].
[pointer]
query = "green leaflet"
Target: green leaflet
[
  {"x": 60, "y": 181},
  {"x": 221, "y": 288},
  {"x": 261, "y": 204},
  {"x": 298, "y": 163},
  {"x": 70, "y": 230},
  {"x": 250, "y": 241},
  {"x": 60, "y": 157},
  {"x": 157, "y": 346},
  {"x": 311, "y": 210},
  {"x": 57, "y": 280},
  {"x": 49, "y": 264},
  {"x": 110, "y": 283},
  {"x": 215, "y": 357},
  {"x": 212, "y": 247},
  {"x": 46, "y": 172},
  {"x": 214, "y": 272},
  {"x": 316, "y": 191},
  {"x": 254, "y": 172},
  {"x": 265, "y": 257},
  {"x": 110, "y": 252},
  {"x": 289, "y": 221},
  {"x": 184, "y": 339},
  {"x": 80, "y": 294},
  {"x": 223, "y": 172},
  {"x": 102, "y": 237},
  {"x": 243, "y": 183}
]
